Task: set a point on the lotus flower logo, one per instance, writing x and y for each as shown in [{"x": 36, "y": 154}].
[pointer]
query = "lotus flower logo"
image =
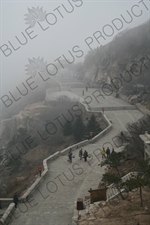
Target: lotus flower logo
[
  {"x": 36, "y": 66},
  {"x": 35, "y": 14}
]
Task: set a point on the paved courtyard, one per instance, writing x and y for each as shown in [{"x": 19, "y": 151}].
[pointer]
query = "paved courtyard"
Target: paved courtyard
[{"x": 53, "y": 202}]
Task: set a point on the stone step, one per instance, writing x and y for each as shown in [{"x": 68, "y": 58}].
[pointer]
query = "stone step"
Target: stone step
[{"x": 112, "y": 191}]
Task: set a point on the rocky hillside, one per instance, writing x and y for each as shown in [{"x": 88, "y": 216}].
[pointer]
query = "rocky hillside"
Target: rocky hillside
[
  {"x": 127, "y": 57},
  {"x": 41, "y": 120},
  {"x": 120, "y": 211},
  {"x": 31, "y": 90},
  {"x": 34, "y": 134}
]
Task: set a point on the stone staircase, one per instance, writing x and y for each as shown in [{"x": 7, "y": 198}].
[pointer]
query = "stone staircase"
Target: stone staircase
[{"x": 112, "y": 191}]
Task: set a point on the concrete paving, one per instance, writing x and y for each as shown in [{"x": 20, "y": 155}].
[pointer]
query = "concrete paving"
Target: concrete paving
[
  {"x": 53, "y": 202},
  {"x": 98, "y": 98}
]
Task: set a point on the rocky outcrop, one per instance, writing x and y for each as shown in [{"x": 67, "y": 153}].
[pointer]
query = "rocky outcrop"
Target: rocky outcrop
[
  {"x": 119, "y": 55},
  {"x": 28, "y": 120}
]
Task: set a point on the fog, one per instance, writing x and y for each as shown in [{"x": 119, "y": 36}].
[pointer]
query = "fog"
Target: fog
[{"x": 59, "y": 33}]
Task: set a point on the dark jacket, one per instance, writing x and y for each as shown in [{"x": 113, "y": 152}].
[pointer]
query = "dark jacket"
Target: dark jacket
[
  {"x": 15, "y": 198},
  {"x": 80, "y": 152},
  {"x": 85, "y": 154},
  {"x": 108, "y": 151}
]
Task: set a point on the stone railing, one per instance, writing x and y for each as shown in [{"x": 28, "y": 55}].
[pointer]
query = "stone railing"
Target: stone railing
[
  {"x": 38, "y": 181},
  {"x": 114, "y": 108},
  {"x": 102, "y": 133},
  {"x": 112, "y": 191},
  {"x": 10, "y": 210},
  {"x": 143, "y": 109},
  {"x": 7, "y": 216},
  {"x": 34, "y": 186},
  {"x": 140, "y": 107}
]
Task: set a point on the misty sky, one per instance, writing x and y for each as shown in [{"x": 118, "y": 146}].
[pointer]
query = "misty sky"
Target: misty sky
[{"x": 59, "y": 32}]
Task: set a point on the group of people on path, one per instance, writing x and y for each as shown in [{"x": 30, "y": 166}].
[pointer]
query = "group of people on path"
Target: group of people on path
[
  {"x": 82, "y": 154},
  {"x": 86, "y": 88},
  {"x": 106, "y": 153}
]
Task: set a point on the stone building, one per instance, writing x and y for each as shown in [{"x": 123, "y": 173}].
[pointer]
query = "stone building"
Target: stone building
[{"x": 146, "y": 139}]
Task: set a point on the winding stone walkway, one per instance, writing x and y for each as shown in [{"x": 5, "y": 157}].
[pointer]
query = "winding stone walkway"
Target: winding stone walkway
[{"x": 53, "y": 202}]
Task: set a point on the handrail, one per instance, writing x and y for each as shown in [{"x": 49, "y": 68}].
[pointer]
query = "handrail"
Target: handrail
[{"x": 128, "y": 175}]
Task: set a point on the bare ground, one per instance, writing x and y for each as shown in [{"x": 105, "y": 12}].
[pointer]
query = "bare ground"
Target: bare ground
[{"x": 120, "y": 212}]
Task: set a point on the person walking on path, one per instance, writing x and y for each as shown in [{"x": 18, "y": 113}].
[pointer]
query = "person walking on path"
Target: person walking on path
[
  {"x": 85, "y": 155},
  {"x": 113, "y": 151},
  {"x": 103, "y": 110},
  {"x": 15, "y": 199},
  {"x": 103, "y": 152},
  {"x": 40, "y": 170},
  {"x": 80, "y": 153},
  {"x": 70, "y": 155},
  {"x": 108, "y": 152}
]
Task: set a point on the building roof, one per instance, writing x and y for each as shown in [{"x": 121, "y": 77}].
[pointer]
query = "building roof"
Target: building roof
[{"x": 145, "y": 137}]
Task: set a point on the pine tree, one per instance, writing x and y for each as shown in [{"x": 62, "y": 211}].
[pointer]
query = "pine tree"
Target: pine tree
[
  {"x": 139, "y": 180},
  {"x": 93, "y": 125},
  {"x": 113, "y": 179},
  {"x": 114, "y": 161},
  {"x": 79, "y": 129},
  {"x": 67, "y": 129}
]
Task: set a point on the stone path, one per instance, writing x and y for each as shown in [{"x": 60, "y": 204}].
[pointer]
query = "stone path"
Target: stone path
[
  {"x": 98, "y": 98},
  {"x": 53, "y": 202}
]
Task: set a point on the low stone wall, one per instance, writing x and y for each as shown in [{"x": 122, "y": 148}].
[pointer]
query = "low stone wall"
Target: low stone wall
[
  {"x": 113, "y": 108},
  {"x": 75, "y": 214},
  {"x": 124, "y": 97},
  {"x": 74, "y": 147},
  {"x": 140, "y": 107},
  {"x": 7, "y": 216},
  {"x": 30, "y": 190},
  {"x": 102, "y": 133},
  {"x": 38, "y": 181}
]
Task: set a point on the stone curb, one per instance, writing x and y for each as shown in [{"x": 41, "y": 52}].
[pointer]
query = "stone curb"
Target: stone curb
[
  {"x": 10, "y": 210},
  {"x": 8, "y": 214},
  {"x": 143, "y": 109},
  {"x": 101, "y": 134}
]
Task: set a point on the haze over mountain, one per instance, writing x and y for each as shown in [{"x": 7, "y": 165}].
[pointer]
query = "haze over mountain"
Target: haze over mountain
[
  {"x": 100, "y": 65},
  {"x": 130, "y": 49}
]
